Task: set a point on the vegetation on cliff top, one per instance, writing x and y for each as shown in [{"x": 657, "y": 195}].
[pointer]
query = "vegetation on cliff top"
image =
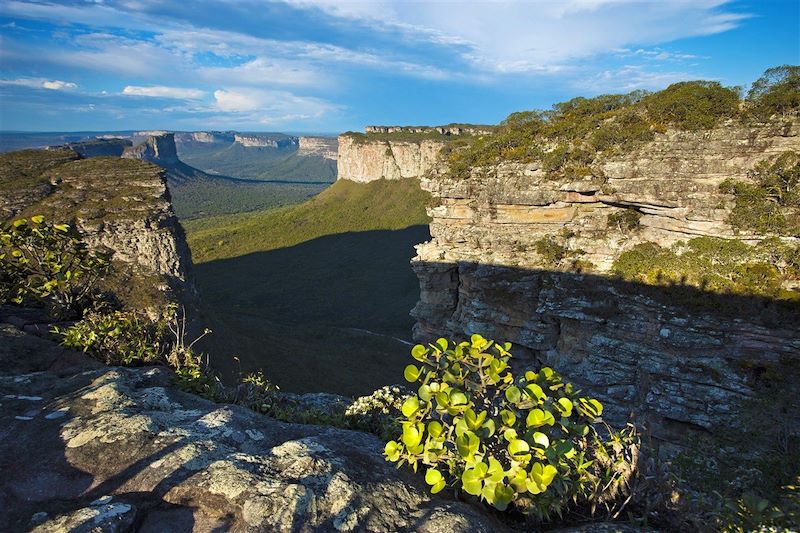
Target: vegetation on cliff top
[{"x": 570, "y": 136}]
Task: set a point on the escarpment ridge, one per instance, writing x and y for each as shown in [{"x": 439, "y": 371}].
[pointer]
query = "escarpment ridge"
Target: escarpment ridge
[
  {"x": 592, "y": 273},
  {"x": 121, "y": 205}
]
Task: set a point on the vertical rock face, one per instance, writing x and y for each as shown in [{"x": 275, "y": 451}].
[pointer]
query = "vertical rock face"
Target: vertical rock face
[
  {"x": 159, "y": 149},
  {"x": 119, "y": 204},
  {"x": 676, "y": 357},
  {"x": 266, "y": 141},
  {"x": 365, "y": 161},
  {"x": 326, "y": 147}
]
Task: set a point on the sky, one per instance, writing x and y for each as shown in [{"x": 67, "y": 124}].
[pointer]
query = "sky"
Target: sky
[{"x": 327, "y": 67}]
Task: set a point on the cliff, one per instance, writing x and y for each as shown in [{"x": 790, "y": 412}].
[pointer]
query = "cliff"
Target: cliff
[
  {"x": 519, "y": 254},
  {"x": 109, "y": 146},
  {"x": 266, "y": 141},
  {"x": 119, "y": 204},
  {"x": 158, "y": 148},
  {"x": 325, "y": 147},
  {"x": 161, "y": 150},
  {"x": 368, "y": 160}
]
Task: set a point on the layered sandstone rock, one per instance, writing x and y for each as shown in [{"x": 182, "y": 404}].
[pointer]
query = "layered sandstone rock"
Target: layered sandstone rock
[
  {"x": 326, "y": 147},
  {"x": 266, "y": 141},
  {"x": 638, "y": 348},
  {"x": 365, "y": 161}
]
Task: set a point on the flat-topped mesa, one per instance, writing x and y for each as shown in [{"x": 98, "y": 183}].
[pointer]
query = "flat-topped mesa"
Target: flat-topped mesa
[
  {"x": 206, "y": 136},
  {"x": 522, "y": 255},
  {"x": 326, "y": 147},
  {"x": 158, "y": 148},
  {"x": 97, "y": 147},
  {"x": 265, "y": 141},
  {"x": 397, "y": 152}
]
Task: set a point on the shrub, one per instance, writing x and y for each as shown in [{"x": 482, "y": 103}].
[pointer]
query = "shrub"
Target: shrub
[
  {"x": 776, "y": 92},
  {"x": 693, "y": 105},
  {"x": 117, "y": 338},
  {"x": 552, "y": 252},
  {"x": 715, "y": 265},
  {"x": 130, "y": 338},
  {"x": 529, "y": 441},
  {"x": 625, "y": 220},
  {"x": 770, "y": 203},
  {"x": 47, "y": 263}
]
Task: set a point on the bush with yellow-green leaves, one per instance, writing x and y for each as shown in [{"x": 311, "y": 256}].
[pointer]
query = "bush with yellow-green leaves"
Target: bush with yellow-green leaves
[
  {"x": 530, "y": 441},
  {"x": 46, "y": 263}
]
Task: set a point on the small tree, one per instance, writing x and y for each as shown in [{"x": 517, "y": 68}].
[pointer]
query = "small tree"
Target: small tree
[
  {"x": 776, "y": 92},
  {"x": 48, "y": 263},
  {"x": 529, "y": 441}
]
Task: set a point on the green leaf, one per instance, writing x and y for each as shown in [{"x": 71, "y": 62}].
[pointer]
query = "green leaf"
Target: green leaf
[
  {"x": 541, "y": 439},
  {"x": 410, "y": 406},
  {"x": 503, "y": 494},
  {"x": 467, "y": 445},
  {"x": 535, "y": 391},
  {"x": 513, "y": 394},
  {"x": 412, "y": 373},
  {"x": 478, "y": 341},
  {"x": 495, "y": 471},
  {"x": 540, "y": 477},
  {"x": 538, "y": 417},
  {"x": 412, "y": 434},
  {"x": 425, "y": 392},
  {"x": 509, "y": 418},
  {"x": 38, "y": 219},
  {"x": 392, "y": 451},
  {"x": 63, "y": 228},
  {"x": 433, "y": 476},
  {"x": 472, "y": 479},
  {"x": 457, "y": 398},
  {"x": 435, "y": 429},
  {"x": 590, "y": 407},
  {"x": 419, "y": 352},
  {"x": 442, "y": 343},
  {"x": 565, "y": 406},
  {"x": 519, "y": 449}
]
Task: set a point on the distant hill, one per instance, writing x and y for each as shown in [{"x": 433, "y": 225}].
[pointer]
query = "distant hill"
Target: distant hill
[
  {"x": 264, "y": 163},
  {"x": 196, "y": 193}
]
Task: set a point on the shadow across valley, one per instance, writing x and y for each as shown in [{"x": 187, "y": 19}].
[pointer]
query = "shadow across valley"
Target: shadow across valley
[{"x": 330, "y": 314}]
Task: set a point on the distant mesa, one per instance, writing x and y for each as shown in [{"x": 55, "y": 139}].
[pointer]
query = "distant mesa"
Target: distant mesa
[
  {"x": 157, "y": 148},
  {"x": 205, "y": 137},
  {"x": 266, "y": 141},
  {"x": 100, "y": 146},
  {"x": 326, "y": 147}
]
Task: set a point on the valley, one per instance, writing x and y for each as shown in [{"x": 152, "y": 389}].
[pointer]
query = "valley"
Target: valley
[{"x": 318, "y": 294}]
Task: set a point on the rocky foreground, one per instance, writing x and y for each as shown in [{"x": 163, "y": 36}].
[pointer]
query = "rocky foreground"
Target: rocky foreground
[{"x": 85, "y": 447}]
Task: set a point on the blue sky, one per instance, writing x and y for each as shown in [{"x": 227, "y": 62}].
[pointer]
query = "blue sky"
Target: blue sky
[{"x": 323, "y": 66}]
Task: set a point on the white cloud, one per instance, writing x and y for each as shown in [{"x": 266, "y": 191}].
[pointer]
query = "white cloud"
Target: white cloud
[
  {"x": 541, "y": 35},
  {"x": 631, "y": 77},
  {"x": 270, "y": 107},
  {"x": 159, "y": 91},
  {"x": 41, "y": 83}
]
